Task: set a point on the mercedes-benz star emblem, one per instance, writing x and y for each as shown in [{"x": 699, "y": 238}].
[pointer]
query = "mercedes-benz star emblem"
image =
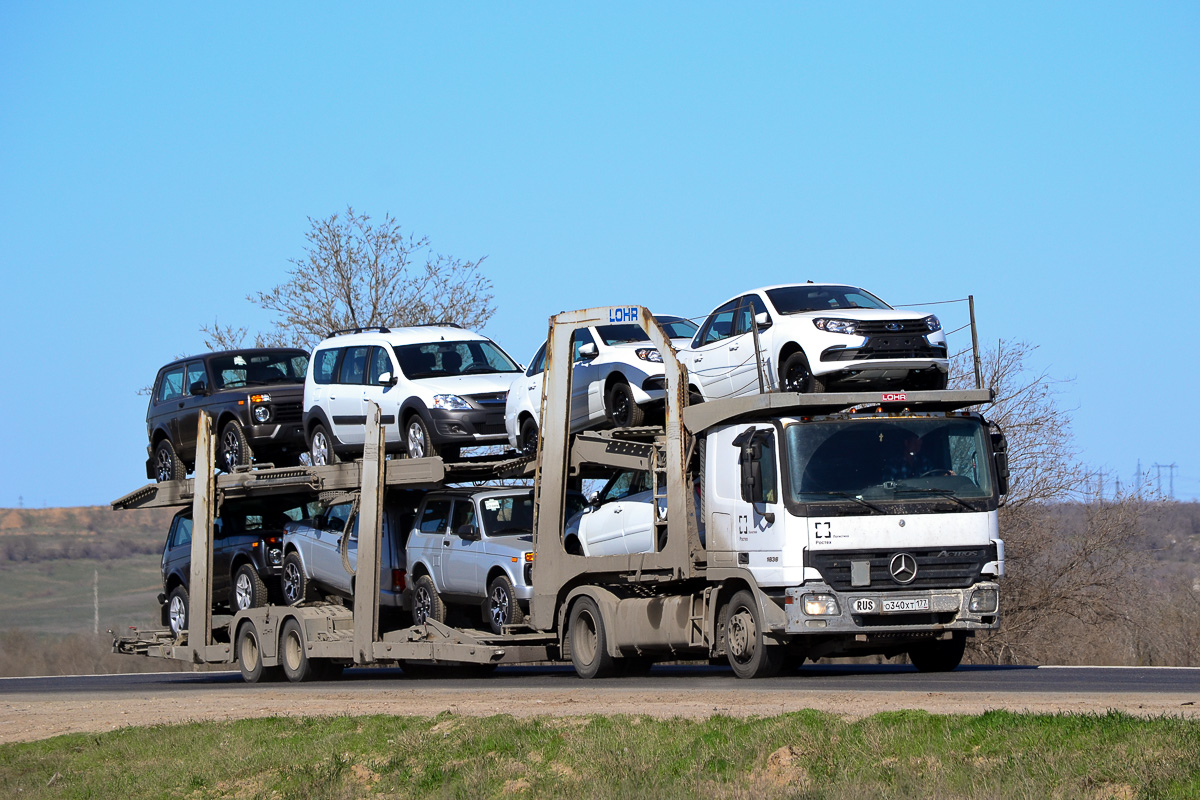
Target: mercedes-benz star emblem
[{"x": 903, "y": 568}]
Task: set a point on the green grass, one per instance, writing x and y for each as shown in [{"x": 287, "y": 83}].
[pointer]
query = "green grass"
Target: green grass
[
  {"x": 803, "y": 755},
  {"x": 56, "y": 596}
]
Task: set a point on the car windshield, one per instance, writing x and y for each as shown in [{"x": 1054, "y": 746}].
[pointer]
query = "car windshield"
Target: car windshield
[
  {"x": 256, "y": 368},
  {"x": 447, "y": 359},
  {"x": 813, "y": 297},
  {"x": 674, "y": 327},
  {"x": 899, "y": 460},
  {"x": 513, "y": 514}
]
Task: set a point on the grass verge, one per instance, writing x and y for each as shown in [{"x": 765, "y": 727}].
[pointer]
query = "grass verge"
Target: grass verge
[{"x": 803, "y": 755}]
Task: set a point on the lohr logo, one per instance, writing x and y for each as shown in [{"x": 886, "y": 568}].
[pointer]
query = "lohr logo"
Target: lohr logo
[
  {"x": 626, "y": 314},
  {"x": 889, "y": 397}
]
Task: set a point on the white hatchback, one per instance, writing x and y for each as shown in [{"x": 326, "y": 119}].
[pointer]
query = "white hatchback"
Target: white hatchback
[
  {"x": 813, "y": 338},
  {"x": 439, "y": 387},
  {"x": 616, "y": 377}
]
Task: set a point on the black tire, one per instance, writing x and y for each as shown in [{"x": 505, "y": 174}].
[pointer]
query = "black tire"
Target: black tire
[
  {"x": 294, "y": 585},
  {"x": 426, "y": 602},
  {"x": 168, "y": 466},
  {"x": 572, "y": 546},
  {"x": 293, "y": 653},
  {"x": 248, "y": 649},
  {"x": 248, "y": 590},
  {"x": 588, "y": 641},
  {"x": 501, "y": 607},
  {"x": 527, "y": 440},
  {"x": 417, "y": 442},
  {"x": 746, "y": 648},
  {"x": 320, "y": 447},
  {"x": 233, "y": 449},
  {"x": 178, "y": 610},
  {"x": 939, "y": 656},
  {"x": 622, "y": 409},
  {"x": 694, "y": 396},
  {"x": 796, "y": 376}
]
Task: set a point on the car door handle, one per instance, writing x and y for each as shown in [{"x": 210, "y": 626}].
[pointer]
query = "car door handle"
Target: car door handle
[
  {"x": 617, "y": 510},
  {"x": 181, "y": 405},
  {"x": 445, "y": 542},
  {"x": 532, "y": 386},
  {"x": 698, "y": 359}
]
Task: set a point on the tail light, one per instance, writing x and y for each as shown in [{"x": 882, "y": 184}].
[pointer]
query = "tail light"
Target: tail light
[{"x": 398, "y": 580}]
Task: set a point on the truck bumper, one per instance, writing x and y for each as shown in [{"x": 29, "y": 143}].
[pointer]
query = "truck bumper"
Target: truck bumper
[{"x": 893, "y": 612}]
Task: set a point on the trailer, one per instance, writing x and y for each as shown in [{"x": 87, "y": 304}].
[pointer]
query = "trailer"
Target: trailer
[{"x": 783, "y": 531}]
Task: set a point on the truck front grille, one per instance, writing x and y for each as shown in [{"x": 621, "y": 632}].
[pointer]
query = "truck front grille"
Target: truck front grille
[{"x": 937, "y": 567}]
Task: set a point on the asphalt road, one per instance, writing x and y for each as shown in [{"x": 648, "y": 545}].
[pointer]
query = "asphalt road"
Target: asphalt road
[{"x": 811, "y": 678}]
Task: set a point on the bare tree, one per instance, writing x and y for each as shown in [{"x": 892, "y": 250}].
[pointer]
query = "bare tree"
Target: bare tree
[
  {"x": 1066, "y": 561},
  {"x": 355, "y": 273}
]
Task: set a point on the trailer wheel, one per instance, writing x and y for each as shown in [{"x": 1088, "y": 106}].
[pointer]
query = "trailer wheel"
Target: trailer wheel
[
  {"x": 249, "y": 591},
  {"x": 938, "y": 656},
  {"x": 177, "y": 610},
  {"x": 588, "y": 641},
  {"x": 622, "y": 409},
  {"x": 426, "y": 602},
  {"x": 502, "y": 607},
  {"x": 745, "y": 646},
  {"x": 297, "y": 666},
  {"x": 235, "y": 450},
  {"x": 248, "y": 649},
  {"x": 168, "y": 466},
  {"x": 296, "y": 586}
]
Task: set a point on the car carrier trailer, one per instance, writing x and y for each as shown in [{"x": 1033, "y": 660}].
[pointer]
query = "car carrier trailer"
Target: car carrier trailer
[{"x": 762, "y": 557}]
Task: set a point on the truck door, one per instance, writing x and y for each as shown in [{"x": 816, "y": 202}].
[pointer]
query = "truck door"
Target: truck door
[{"x": 759, "y": 510}]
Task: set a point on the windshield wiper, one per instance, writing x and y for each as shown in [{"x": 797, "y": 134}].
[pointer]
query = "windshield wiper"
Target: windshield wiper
[
  {"x": 942, "y": 492},
  {"x": 853, "y": 497}
]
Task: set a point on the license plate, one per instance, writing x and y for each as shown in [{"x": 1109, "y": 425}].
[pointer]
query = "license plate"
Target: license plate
[{"x": 897, "y": 606}]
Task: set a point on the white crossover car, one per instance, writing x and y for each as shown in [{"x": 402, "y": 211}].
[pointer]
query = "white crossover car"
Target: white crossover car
[
  {"x": 814, "y": 338},
  {"x": 617, "y": 375},
  {"x": 439, "y": 387}
]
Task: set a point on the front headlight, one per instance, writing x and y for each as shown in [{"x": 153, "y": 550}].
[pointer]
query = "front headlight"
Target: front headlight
[
  {"x": 450, "y": 402},
  {"x": 820, "y": 605},
  {"x": 262, "y": 414},
  {"x": 275, "y": 556},
  {"x": 984, "y": 601},
  {"x": 649, "y": 354},
  {"x": 836, "y": 325},
  {"x": 933, "y": 323}
]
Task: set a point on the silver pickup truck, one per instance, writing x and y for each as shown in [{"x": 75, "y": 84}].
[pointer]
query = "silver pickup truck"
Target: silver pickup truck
[{"x": 473, "y": 546}]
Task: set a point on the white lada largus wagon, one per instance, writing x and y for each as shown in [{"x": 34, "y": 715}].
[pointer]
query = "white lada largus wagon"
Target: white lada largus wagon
[{"x": 440, "y": 388}]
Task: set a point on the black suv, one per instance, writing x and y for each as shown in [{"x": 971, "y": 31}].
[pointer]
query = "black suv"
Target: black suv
[
  {"x": 256, "y": 400},
  {"x": 247, "y": 556}
]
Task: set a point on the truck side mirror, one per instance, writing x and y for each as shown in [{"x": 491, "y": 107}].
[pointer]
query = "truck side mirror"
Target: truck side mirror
[{"x": 1000, "y": 459}]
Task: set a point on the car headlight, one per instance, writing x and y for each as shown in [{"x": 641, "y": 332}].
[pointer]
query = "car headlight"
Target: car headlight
[
  {"x": 649, "y": 354},
  {"x": 836, "y": 325},
  {"x": 821, "y": 605},
  {"x": 450, "y": 402},
  {"x": 262, "y": 414},
  {"x": 933, "y": 323},
  {"x": 984, "y": 601},
  {"x": 275, "y": 556}
]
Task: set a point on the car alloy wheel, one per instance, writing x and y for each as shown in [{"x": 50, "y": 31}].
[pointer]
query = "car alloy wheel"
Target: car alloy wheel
[{"x": 243, "y": 591}]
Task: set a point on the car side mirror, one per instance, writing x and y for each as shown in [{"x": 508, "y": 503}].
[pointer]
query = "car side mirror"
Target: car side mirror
[
  {"x": 762, "y": 320},
  {"x": 589, "y": 350},
  {"x": 386, "y": 379},
  {"x": 468, "y": 532},
  {"x": 594, "y": 499},
  {"x": 198, "y": 388}
]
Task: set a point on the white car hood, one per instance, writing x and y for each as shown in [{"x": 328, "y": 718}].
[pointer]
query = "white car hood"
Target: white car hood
[
  {"x": 485, "y": 383},
  {"x": 865, "y": 314}
]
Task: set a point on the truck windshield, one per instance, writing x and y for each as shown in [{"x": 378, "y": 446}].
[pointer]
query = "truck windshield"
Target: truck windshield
[{"x": 879, "y": 460}]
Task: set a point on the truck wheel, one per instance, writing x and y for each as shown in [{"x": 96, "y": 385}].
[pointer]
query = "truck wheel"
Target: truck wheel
[
  {"x": 235, "y": 450},
  {"x": 416, "y": 437},
  {"x": 796, "y": 376},
  {"x": 622, "y": 409},
  {"x": 938, "y": 656},
  {"x": 527, "y": 440},
  {"x": 320, "y": 447},
  {"x": 502, "y": 607},
  {"x": 293, "y": 655},
  {"x": 177, "y": 610},
  {"x": 167, "y": 464},
  {"x": 588, "y": 642},
  {"x": 248, "y": 649},
  {"x": 295, "y": 584},
  {"x": 426, "y": 602},
  {"x": 745, "y": 646},
  {"x": 249, "y": 591}
]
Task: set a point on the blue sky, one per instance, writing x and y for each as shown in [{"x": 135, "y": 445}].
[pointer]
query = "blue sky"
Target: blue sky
[{"x": 158, "y": 163}]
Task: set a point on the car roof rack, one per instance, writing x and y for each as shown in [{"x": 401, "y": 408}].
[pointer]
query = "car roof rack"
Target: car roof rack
[
  {"x": 363, "y": 329},
  {"x": 440, "y": 325}
]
